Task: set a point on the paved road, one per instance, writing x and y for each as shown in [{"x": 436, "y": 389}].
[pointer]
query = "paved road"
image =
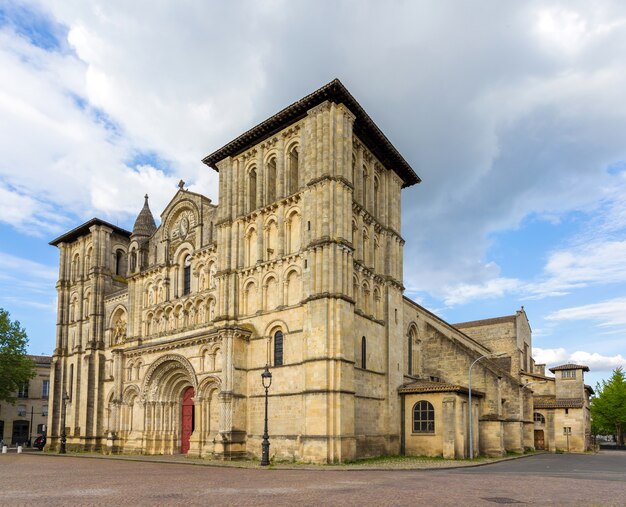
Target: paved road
[{"x": 563, "y": 480}]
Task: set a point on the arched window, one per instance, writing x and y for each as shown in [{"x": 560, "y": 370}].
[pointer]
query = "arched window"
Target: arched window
[
  {"x": 376, "y": 185},
  {"x": 133, "y": 261},
  {"x": 363, "y": 353},
  {"x": 423, "y": 417},
  {"x": 278, "y": 348},
  {"x": 187, "y": 275},
  {"x": 539, "y": 418},
  {"x": 251, "y": 190},
  {"x": 119, "y": 257},
  {"x": 271, "y": 181},
  {"x": 293, "y": 170},
  {"x": 364, "y": 202},
  {"x": 410, "y": 355}
]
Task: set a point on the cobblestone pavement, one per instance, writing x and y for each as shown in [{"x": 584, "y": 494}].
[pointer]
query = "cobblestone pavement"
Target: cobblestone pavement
[{"x": 39, "y": 479}]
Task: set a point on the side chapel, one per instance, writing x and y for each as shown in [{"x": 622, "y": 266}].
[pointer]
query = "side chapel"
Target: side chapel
[{"x": 163, "y": 331}]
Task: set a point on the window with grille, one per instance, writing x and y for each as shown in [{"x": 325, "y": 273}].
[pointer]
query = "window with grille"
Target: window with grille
[
  {"x": 568, "y": 374},
  {"x": 21, "y": 410},
  {"x": 44, "y": 410},
  {"x": 278, "y": 348},
  {"x": 538, "y": 418},
  {"x": 423, "y": 417}
]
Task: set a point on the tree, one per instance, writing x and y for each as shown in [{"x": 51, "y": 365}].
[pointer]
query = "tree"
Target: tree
[
  {"x": 608, "y": 407},
  {"x": 16, "y": 368}
]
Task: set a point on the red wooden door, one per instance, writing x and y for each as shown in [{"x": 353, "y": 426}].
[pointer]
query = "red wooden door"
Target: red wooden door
[{"x": 186, "y": 420}]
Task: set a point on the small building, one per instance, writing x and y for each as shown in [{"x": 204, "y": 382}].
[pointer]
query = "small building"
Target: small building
[
  {"x": 22, "y": 422},
  {"x": 561, "y": 415}
]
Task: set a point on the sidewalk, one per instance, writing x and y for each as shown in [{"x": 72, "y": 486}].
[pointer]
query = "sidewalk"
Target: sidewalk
[{"x": 383, "y": 463}]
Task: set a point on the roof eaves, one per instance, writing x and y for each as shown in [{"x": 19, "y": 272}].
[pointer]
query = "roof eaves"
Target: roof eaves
[{"x": 364, "y": 128}]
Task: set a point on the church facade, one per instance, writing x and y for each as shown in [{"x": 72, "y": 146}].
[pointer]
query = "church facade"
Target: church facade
[{"x": 163, "y": 331}]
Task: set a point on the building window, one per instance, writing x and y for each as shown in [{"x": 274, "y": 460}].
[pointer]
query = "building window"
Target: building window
[
  {"x": 410, "y": 355},
  {"x": 41, "y": 428},
  {"x": 21, "y": 410},
  {"x": 568, "y": 374},
  {"x": 119, "y": 256},
  {"x": 538, "y": 418},
  {"x": 187, "y": 275},
  {"x": 567, "y": 430},
  {"x": 293, "y": 170},
  {"x": 44, "y": 410},
  {"x": 45, "y": 388},
  {"x": 271, "y": 181},
  {"x": 363, "y": 353},
  {"x": 423, "y": 417},
  {"x": 23, "y": 391},
  {"x": 278, "y": 348},
  {"x": 251, "y": 190}
]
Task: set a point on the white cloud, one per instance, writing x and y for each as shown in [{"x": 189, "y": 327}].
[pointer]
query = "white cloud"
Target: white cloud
[
  {"x": 611, "y": 312},
  {"x": 596, "y": 362}
]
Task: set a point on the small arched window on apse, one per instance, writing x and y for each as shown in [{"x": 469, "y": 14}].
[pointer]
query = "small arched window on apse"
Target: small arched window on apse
[
  {"x": 363, "y": 353},
  {"x": 353, "y": 172},
  {"x": 278, "y": 348},
  {"x": 187, "y": 275},
  {"x": 293, "y": 169},
  {"x": 271, "y": 180},
  {"x": 423, "y": 417},
  {"x": 252, "y": 204}
]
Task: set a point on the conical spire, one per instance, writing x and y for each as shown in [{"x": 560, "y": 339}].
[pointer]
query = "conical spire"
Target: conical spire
[{"x": 144, "y": 225}]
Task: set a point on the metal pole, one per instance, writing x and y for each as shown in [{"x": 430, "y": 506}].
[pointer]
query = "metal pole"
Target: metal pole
[
  {"x": 471, "y": 414},
  {"x": 63, "y": 436},
  {"x": 30, "y": 428},
  {"x": 265, "y": 458}
]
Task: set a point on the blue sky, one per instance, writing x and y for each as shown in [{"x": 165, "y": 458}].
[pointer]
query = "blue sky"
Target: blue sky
[{"x": 512, "y": 113}]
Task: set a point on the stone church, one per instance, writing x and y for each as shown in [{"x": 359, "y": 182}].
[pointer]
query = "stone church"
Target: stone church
[{"x": 163, "y": 331}]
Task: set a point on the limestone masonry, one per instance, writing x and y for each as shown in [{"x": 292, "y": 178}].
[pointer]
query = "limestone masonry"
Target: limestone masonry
[{"x": 163, "y": 332}]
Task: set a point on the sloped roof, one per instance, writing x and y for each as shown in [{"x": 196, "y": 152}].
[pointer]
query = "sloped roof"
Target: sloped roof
[
  {"x": 364, "y": 128},
  {"x": 83, "y": 230},
  {"x": 552, "y": 402},
  {"x": 570, "y": 366},
  {"x": 41, "y": 359},
  {"x": 429, "y": 386},
  {"x": 486, "y": 322}
]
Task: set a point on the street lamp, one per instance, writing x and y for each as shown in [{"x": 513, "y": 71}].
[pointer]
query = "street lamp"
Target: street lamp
[
  {"x": 471, "y": 415},
  {"x": 266, "y": 378},
  {"x": 64, "y": 400}
]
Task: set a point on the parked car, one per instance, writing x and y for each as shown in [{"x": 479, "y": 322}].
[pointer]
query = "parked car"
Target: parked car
[{"x": 40, "y": 442}]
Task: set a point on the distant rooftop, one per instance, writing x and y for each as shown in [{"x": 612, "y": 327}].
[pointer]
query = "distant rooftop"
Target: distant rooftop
[
  {"x": 570, "y": 366},
  {"x": 41, "y": 359}
]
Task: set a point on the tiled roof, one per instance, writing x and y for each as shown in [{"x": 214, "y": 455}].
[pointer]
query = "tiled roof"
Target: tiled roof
[
  {"x": 41, "y": 359},
  {"x": 552, "y": 402},
  {"x": 364, "y": 128},
  {"x": 486, "y": 322},
  {"x": 428, "y": 386},
  {"x": 570, "y": 366}
]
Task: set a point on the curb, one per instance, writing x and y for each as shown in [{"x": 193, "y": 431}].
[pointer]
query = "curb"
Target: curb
[{"x": 308, "y": 468}]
